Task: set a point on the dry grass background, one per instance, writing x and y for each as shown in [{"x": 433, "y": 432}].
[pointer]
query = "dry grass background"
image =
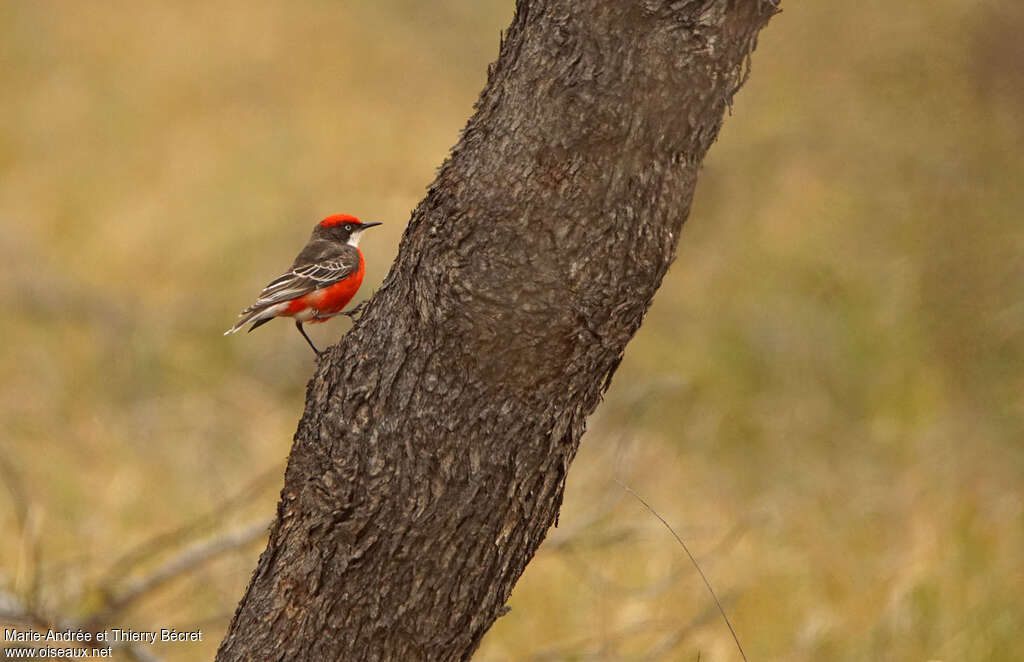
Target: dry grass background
[{"x": 826, "y": 398}]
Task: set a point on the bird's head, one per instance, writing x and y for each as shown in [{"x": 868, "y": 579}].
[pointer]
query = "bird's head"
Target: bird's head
[{"x": 342, "y": 228}]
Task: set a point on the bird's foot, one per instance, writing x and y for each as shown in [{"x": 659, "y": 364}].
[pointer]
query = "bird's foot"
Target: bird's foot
[{"x": 355, "y": 312}]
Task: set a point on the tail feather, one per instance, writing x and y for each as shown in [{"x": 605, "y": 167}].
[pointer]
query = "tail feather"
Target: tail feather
[
  {"x": 259, "y": 323},
  {"x": 260, "y": 315}
]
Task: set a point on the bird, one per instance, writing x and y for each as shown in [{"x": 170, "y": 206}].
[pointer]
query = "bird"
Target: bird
[{"x": 321, "y": 281}]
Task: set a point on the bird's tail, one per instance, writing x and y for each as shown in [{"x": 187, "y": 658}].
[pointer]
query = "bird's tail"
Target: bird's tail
[{"x": 258, "y": 315}]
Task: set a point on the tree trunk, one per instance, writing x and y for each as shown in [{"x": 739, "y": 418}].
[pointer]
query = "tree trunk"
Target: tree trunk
[{"x": 432, "y": 454}]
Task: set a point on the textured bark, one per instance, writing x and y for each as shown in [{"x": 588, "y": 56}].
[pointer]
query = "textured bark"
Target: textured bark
[{"x": 432, "y": 454}]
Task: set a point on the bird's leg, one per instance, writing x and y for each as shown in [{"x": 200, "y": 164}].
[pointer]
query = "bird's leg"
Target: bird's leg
[{"x": 298, "y": 325}]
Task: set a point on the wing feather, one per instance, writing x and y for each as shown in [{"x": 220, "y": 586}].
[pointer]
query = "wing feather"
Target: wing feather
[{"x": 320, "y": 265}]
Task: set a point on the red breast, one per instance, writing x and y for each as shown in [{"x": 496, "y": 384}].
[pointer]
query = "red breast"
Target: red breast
[{"x": 330, "y": 299}]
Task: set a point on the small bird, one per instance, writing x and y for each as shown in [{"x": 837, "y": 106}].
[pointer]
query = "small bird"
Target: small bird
[{"x": 322, "y": 280}]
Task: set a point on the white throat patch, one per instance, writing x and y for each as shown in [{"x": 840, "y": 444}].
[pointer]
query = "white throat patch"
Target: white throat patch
[{"x": 354, "y": 239}]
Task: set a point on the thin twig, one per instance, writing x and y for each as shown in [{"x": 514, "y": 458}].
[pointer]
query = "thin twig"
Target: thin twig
[
  {"x": 160, "y": 543},
  {"x": 696, "y": 565},
  {"x": 187, "y": 560}
]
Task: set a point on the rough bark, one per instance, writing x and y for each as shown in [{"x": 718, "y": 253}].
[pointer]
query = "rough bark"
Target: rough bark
[{"x": 432, "y": 454}]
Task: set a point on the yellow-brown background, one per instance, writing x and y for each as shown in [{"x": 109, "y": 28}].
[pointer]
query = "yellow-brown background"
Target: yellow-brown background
[{"x": 826, "y": 398}]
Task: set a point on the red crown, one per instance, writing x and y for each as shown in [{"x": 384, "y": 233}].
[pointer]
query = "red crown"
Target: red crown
[{"x": 338, "y": 219}]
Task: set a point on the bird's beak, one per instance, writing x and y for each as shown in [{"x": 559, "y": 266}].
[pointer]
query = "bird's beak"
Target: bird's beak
[{"x": 370, "y": 225}]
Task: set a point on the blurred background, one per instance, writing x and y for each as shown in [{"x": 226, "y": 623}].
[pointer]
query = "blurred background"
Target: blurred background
[{"x": 826, "y": 400}]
